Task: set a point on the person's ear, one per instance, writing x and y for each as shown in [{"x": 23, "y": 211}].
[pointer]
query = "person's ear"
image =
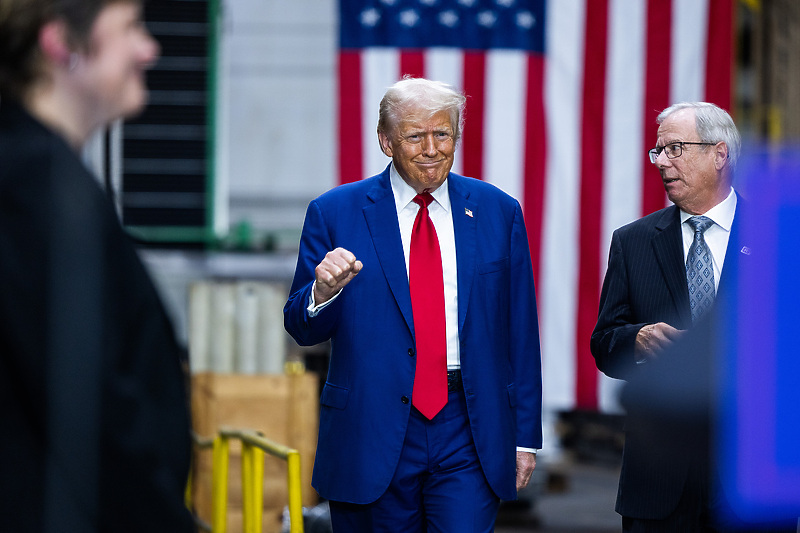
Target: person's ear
[
  {"x": 54, "y": 43},
  {"x": 386, "y": 145},
  {"x": 720, "y": 155}
]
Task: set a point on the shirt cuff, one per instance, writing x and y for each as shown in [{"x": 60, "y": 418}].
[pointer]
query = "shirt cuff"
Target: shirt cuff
[
  {"x": 314, "y": 309},
  {"x": 529, "y": 450}
]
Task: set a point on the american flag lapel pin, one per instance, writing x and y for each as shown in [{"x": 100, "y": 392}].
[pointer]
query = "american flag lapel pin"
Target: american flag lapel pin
[{"x": 468, "y": 212}]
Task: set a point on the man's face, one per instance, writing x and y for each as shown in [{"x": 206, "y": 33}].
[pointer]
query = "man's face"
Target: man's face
[
  {"x": 692, "y": 181},
  {"x": 422, "y": 149}
]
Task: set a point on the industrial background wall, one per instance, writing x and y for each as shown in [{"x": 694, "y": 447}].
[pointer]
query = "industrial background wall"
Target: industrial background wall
[
  {"x": 165, "y": 150},
  {"x": 772, "y": 50}
]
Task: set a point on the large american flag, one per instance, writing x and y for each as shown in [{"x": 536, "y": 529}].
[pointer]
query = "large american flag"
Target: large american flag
[{"x": 562, "y": 100}]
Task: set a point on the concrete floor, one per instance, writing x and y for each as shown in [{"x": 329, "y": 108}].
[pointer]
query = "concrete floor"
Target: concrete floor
[{"x": 581, "y": 500}]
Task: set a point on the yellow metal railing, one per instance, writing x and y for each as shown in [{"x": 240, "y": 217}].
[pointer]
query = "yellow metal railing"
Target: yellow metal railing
[{"x": 254, "y": 446}]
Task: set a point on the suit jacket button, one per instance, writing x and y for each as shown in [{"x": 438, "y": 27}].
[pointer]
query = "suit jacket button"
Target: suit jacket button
[
  {"x": 404, "y": 399},
  {"x": 411, "y": 352}
]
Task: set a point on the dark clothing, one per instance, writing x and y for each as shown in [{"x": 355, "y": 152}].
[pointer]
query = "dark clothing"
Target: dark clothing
[
  {"x": 674, "y": 401},
  {"x": 94, "y": 407},
  {"x": 646, "y": 283}
]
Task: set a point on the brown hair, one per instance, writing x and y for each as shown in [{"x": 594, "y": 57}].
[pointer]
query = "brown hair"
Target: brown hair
[{"x": 20, "y": 23}]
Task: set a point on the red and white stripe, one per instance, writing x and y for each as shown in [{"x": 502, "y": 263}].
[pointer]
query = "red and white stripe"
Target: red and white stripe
[{"x": 565, "y": 134}]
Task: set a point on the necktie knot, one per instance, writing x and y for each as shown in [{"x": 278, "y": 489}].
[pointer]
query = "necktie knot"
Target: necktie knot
[
  {"x": 700, "y": 224},
  {"x": 424, "y": 199}
]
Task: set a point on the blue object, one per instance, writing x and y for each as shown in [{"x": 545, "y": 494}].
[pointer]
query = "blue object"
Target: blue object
[{"x": 759, "y": 422}]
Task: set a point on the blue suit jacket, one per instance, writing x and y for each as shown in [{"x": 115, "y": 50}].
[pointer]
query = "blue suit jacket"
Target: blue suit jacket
[{"x": 365, "y": 401}]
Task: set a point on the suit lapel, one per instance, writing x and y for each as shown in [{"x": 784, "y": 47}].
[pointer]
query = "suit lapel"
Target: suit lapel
[
  {"x": 738, "y": 250},
  {"x": 381, "y": 217},
  {"x": 465, "y": 219},
  {"x": 668, "y": 248}
]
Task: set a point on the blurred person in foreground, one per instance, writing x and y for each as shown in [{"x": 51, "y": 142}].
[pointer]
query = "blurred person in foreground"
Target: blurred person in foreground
[
  {"x": 92, "y": 383},
  {"x": 422, "y": 281},
  {"x": 676, "y": 405},
  {"x": 664, "y": 273}
]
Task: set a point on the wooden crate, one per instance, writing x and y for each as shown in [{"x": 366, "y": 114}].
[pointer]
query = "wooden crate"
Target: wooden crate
[{"x": 284, "y": 407}]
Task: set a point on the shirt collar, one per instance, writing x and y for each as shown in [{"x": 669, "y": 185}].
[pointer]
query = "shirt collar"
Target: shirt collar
[
  {"x": 404, "y": 194},
  {"x": 721, "y": 214}
]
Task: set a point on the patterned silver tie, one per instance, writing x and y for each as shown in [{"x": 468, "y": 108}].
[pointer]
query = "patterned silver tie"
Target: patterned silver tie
[{"x": 700, "y": 269}]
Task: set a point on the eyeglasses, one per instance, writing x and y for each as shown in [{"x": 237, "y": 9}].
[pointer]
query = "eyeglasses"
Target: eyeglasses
[{"x": 673, "y": 150}]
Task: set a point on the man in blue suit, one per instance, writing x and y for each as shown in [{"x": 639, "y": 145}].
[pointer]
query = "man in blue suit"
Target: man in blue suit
[{"x": 382, "y": 463}]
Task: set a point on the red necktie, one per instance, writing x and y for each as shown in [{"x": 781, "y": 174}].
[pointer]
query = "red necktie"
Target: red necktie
[{"x": 427, "y": 302}]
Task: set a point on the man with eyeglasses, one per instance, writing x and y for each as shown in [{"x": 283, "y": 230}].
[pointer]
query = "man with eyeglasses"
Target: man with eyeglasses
[{"x": 664, "y": 273}]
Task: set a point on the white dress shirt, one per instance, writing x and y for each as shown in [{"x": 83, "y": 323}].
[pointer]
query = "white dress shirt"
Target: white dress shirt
[{"x": 716, "y": 236}]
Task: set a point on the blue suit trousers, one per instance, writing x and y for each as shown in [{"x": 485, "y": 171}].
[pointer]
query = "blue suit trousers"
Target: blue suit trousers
[{"x": 439, "y": 486}]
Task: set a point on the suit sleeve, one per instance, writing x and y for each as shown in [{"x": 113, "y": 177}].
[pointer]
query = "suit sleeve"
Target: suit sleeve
[
  {"x": 525, "y": 350},
  {"x": 315, "y": 242},
  {"x": 614, "y": 336}
]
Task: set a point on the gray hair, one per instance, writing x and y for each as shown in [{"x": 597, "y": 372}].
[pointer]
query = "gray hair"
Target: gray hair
[
  {"x": 423, "y": 96},
  {"x": 713, "y": 125}
]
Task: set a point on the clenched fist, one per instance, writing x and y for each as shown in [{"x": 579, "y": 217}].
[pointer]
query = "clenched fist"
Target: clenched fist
[{"x": 333, "y": 273}]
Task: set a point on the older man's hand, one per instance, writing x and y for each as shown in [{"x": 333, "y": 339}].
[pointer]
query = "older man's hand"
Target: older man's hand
[
  {"x": 653, "y": 339},
  {"x": 526, "y": 462},
  {"x": 338, "y": 268}
]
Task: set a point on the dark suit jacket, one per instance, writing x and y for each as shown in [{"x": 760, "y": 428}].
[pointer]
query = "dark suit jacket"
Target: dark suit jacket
[
  {"x": 94, "y": 410},
  {"x": 365, "y": 401},
  {"x": 646, "y": 283}
]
